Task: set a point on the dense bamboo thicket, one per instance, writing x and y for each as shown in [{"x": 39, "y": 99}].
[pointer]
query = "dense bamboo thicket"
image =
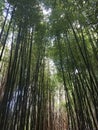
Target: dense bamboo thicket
[{"x": 48, "y": 65}]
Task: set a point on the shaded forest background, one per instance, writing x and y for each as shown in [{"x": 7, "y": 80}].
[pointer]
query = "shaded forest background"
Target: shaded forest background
[{"x": 49, "y": 65}]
